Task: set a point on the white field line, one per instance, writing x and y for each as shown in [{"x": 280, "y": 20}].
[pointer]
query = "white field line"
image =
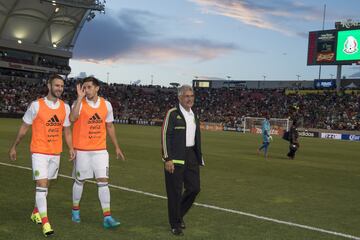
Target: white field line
[{"x": 215, "y": 208}]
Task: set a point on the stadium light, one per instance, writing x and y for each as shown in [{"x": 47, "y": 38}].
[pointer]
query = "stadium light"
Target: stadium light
[
  {"x": 19, "y": 41},
  {"x": 228, "y": 77},
  {"x": 57, "y": 9},
  {"x": 90, "y": 16},
  {"x": 98, "y": 5},
  {"x": 54, "y": 45},
  {"x": 298, "y": 76},
  {"x": 331, "y": 76}
]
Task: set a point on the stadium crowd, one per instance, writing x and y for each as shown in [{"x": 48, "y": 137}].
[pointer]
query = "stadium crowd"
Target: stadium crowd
[{"x": 226, "y": 106}]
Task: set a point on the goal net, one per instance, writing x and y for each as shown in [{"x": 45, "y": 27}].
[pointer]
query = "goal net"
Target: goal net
[{"x": 277, "y": 125}]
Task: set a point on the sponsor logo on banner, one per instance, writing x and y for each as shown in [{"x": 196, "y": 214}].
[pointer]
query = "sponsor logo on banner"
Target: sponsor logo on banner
[
  {"x": 233, "y": 129},
  {"x": 331, "y": 135},
  {"x": 230, "y": 129},
  {"x": 153, "y": 122},
  {"x": 350, "y": 137},
  {"x": 354, "y": 137},
  {"x": 211, "y": 126},
  {"x": 325, "y": 57},
  {"x": 308, "y": 134},
  {"x": 273, "y": 131}
]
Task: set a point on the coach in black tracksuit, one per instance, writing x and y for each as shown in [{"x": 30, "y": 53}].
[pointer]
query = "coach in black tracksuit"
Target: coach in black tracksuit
[{"x": 181, "y": 149}]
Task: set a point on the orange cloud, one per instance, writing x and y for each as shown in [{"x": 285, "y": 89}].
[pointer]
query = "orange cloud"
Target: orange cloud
[{"x": 255, "y": 14}]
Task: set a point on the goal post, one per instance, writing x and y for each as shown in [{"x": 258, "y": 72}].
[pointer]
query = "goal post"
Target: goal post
[{"x": 277, "y": 125}]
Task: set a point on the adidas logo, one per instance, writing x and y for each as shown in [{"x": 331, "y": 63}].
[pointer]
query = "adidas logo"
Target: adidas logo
[
  {"x": 95, "y": 119},
  {"x": 54, "y": 121}
]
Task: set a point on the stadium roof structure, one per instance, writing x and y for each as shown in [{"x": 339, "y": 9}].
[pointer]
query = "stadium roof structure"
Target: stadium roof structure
[{"x": 45, "y": 26}]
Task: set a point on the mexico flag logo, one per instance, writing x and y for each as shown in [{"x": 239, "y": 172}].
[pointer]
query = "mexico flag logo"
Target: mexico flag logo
[{"x": 351, "y": 45}]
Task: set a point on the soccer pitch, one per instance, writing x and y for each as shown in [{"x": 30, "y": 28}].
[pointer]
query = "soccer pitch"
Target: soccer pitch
[{"x": 242, "y": 196}]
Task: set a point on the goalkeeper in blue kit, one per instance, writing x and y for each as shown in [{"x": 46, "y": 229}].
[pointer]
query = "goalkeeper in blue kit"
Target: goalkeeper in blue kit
[{"x": 265, "y": 129}]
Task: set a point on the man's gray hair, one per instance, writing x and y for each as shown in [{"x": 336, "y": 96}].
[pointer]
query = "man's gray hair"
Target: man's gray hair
[{"x": 183, "y": 89}]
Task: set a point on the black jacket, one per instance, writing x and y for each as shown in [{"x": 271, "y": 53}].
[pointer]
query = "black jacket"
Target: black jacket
[{"x": 173, "y": 137}]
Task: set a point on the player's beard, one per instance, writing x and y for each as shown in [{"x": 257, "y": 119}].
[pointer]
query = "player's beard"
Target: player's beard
[
  {"x": 55, "y": 94},
  {"x": 91, "y": 96}
]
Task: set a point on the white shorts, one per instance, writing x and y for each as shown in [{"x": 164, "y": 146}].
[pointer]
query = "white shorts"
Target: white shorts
[
  {"x": 45, "y": 166},
  {"x": 90, "y": 163}
]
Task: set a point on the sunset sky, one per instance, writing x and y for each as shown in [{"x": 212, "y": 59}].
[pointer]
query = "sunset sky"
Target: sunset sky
[{"x": 175, "y": 40}]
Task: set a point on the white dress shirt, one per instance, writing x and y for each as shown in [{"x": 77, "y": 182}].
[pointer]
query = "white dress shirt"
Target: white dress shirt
[
  {"x": 33, "y": 110},
  {"x": 190, "y": 126}
]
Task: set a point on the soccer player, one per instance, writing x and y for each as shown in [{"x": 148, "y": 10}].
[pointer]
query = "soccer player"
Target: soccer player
[
  {"x": 293, "y": 139},
  {"x": 93, "y": 119},
  {"x": 48, "y": 117},
  {"x": 265, "y": 129}
]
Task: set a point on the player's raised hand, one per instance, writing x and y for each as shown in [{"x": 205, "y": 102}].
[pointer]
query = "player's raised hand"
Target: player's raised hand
[
  {"x": 12, "y": 154},
  {"x": 80, "y": 91},
  {"x": 120, "y": 154}
]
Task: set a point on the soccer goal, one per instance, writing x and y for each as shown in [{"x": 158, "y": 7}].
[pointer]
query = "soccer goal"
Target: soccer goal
[{"x": 278, "y": 125}]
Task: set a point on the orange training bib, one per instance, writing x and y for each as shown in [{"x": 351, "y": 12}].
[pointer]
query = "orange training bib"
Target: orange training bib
[
  {"x": 47, "y": 129},
  {"x": 89, "y": 132}
]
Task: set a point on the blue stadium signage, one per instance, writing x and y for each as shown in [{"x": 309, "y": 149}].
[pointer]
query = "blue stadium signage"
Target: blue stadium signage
[{"x": 350, "y": 137}]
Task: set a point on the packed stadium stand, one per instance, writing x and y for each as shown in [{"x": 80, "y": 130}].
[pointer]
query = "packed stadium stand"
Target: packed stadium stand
[{"x": 326, "y": 110}]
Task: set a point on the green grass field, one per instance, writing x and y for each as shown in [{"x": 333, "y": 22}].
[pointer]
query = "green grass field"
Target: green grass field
[{"x": 320, "y": 189}]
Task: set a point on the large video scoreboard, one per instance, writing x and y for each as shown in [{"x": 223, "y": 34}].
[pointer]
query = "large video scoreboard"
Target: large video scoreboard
[{"x": 334, "y": 47}]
